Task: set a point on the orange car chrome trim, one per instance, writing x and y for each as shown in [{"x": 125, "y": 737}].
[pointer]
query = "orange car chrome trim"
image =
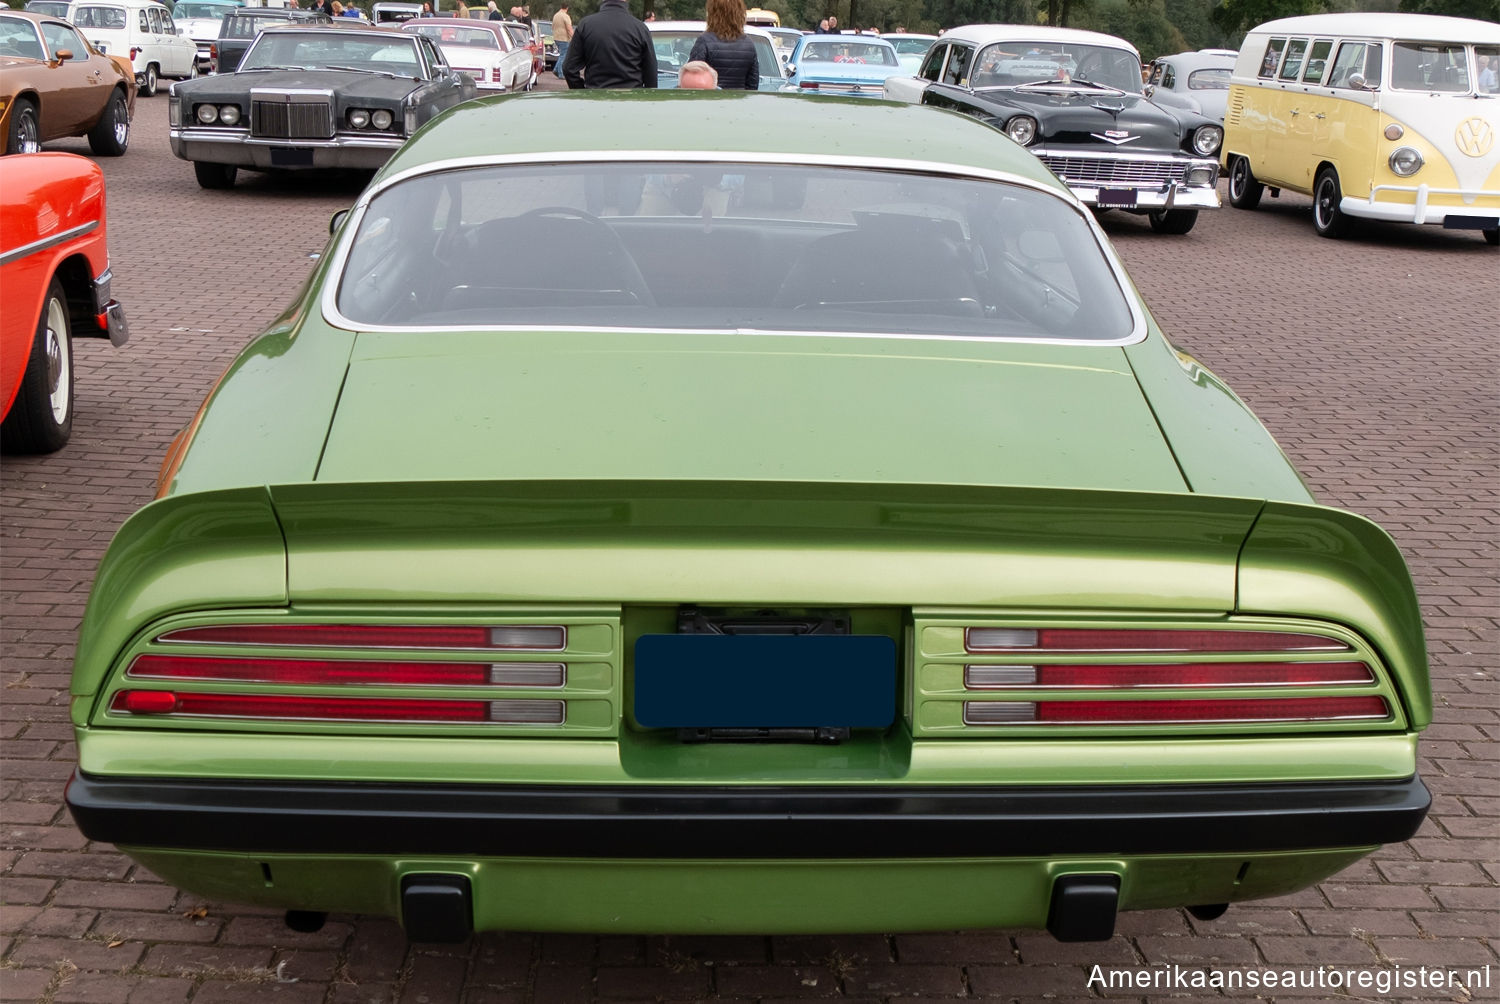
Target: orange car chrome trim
[{"x": 48, "y": 242}]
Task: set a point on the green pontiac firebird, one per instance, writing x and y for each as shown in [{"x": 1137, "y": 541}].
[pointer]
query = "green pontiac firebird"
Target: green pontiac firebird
[{"x": 831, "y": 543}]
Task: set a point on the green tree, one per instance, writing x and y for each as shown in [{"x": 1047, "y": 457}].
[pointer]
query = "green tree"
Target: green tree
[
  {"x": 1237, "y": 15},
  {"x": 1483, "y": 10}
]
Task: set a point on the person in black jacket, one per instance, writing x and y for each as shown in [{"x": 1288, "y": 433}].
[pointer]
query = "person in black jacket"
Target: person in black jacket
[
  {"x": 611, "y": 48},
  {"x": 727, "y": 48}
]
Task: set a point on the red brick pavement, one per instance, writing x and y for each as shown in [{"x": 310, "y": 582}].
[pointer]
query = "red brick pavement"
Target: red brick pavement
[{"x": 1373, "y": 361}]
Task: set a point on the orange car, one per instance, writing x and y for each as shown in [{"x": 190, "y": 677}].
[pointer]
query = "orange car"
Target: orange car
[
  {"x": 53, "y": 83},
  {"x": 54, "y": 268}
]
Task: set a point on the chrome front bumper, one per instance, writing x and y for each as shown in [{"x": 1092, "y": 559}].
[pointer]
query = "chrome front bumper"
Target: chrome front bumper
[
  {"x": 1420, "y": 210},
  {"x": 108, "y": 308},
  {"x": 239, "y": 148}
]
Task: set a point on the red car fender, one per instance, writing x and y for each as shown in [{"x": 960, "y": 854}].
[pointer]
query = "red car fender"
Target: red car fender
[{"x": 51, "y": 211}]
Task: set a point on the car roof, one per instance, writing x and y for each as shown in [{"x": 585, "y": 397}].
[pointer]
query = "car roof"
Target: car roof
[
  {"x": 1413, "y": 27},
  {"x": 675, "y": 123},
  {"x": 1199, "y": 60},
  {"x": 354, "y": 28},
  {"x": 981, "y": 34},
  {"x": 454, "y": 22},
  {"x": 847, "y": 36},
  {"x": 905, "y": 34}
]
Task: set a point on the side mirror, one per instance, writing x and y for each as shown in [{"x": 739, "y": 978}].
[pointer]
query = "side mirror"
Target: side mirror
[
  {"x": 791, "y": 68},
  {"x": 63, "y": 55},
  {"x": 337, "y": 220},
  {"x": 1357, "y": 81}
]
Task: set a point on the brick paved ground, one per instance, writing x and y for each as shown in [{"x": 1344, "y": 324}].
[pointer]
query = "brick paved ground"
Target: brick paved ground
[{"x": 1372, "y": 360}]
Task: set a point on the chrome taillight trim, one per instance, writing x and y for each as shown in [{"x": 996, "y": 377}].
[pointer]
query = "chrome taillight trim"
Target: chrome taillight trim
[{"x": 1029, "y": 707}]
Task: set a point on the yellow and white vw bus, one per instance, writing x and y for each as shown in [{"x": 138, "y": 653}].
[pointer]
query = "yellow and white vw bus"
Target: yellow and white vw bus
[{"x": 1381, "y": 116}]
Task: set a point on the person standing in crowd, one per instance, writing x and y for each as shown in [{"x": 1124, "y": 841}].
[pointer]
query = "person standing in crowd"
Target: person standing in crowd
[
  {"x": 611, "y": 49},
  {"x": 494, "y": 12},
  {"x": 822, "y": 27},
  {"x": 696, "y": 75},
  {"x": 727, "y": 48},
  {"x": 562, "y": 34},
  {"x": 426, "y": 9},
  {"x": 460, "y": 9},
  {"x": 833, "y": 26}
]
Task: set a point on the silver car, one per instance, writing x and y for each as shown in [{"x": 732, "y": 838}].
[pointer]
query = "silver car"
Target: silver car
[{"x": 1197, "y": 81}]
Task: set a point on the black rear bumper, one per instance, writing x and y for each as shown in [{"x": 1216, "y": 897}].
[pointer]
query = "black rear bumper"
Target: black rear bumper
[{"x": 741, "y": 822}]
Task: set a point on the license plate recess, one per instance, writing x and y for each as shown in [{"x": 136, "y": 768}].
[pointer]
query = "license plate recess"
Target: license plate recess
[
  {"x": 709, "y": 681},
  {"x": 1120, "y": 198}
]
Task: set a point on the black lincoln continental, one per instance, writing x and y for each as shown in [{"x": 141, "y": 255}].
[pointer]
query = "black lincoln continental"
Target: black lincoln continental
[
  {"x": 1074, "y": 99},
  {"x": 313, "y": 96}
]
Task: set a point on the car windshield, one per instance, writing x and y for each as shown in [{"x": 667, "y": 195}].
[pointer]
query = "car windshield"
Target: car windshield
[
  {"x": 214, "y": 10},
  {"x": 848, "y": 52},
  {"x": 912, "y": 46},
  {"x": 1216, "y": 79},
  {"x": 729, "y": 246},
  {"x": 1006, "y": 64},
  {"x": 18, "y": 37},
  {"x": 1428, "y": 66},
  {"x": 385, "y": 53},
  {"x": 99, "y": 17},
  {"x": 447, "y": 34}
]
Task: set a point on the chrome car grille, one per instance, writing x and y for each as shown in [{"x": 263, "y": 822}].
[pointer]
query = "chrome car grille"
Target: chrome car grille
[
  {"x": 1092, "y": 171},
  {"x": 283, "y": 119}
]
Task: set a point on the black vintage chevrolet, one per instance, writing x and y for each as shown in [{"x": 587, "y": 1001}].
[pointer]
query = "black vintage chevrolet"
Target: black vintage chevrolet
[
  {"x": 1074, "y": 99},
  {"x": 313, "y": 96}
]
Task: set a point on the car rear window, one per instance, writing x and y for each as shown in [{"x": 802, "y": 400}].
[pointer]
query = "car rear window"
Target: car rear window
[
  {"x": 729, "y": 246},
  {"x": 112, "y": 18},
  {"x": 1216, "y": 79}
]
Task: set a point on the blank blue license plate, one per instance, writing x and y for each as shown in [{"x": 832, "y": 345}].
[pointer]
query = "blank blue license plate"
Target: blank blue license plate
[{"x": 765, "y": 681}]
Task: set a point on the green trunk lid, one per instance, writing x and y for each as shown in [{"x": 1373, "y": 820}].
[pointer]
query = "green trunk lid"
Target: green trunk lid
[{"x": 628, "y": 405}]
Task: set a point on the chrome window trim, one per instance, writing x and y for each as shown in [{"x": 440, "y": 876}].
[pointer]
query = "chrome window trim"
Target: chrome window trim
[
  {"x": 331, "y": 314},
  {"x": 35, "y": 247}
]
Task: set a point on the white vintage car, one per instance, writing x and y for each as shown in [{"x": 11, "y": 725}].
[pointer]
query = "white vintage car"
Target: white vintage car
[{"x": 484, "y": 50}]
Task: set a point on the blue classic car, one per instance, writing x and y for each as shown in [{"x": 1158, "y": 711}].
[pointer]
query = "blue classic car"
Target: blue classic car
[{"x": 843, "y": 64}]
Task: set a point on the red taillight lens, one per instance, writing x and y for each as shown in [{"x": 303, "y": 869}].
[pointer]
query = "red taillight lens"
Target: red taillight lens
[
  {"x": 309, "y": 671},
  {"x": 1020, "y": 640},
  {"x": 548, "y": 638},
  {"x": 364, "y": 709},
  {"x": 1295, "y": 709},
  {"x": 808, "y": 85},
  {"x": 134, "y": 52},
  {"x": 495, "y": 75},
  {"x": 1224, "y": 674},
  {"x": 146, "y": 702},
  {"x": 351, "y": 671}
]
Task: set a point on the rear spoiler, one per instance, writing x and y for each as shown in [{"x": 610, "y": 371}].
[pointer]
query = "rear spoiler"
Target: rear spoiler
[{"x": 752, "y": 543}]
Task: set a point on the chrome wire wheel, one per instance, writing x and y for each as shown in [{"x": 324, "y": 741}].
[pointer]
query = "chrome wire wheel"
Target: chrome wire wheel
[
  {"x": 59, "y": 354},
  {"x": 28, "y": 130}
]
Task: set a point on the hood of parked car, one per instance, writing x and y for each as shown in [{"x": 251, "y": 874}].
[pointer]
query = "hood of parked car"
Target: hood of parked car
[
  {"x": 496, "y": 405},
  {"x": 349, "y": 83},
  {"x": 1129, "y": 121}
]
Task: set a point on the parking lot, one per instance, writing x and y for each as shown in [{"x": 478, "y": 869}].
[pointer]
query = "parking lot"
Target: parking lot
[{"x": 1372, "y": 360}]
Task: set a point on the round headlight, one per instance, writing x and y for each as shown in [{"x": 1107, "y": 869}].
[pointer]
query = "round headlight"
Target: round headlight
[
  {"x": 381, "y": 119},
  {"x": 1022, "y": 129},
  {"x": 207, "y": 114},
  {"x": 359, "y": 118},
  {"x": 1405, "y": 161},
  {"x": 1206, "y": 140},
  {"x": 229, "y": 114}
]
